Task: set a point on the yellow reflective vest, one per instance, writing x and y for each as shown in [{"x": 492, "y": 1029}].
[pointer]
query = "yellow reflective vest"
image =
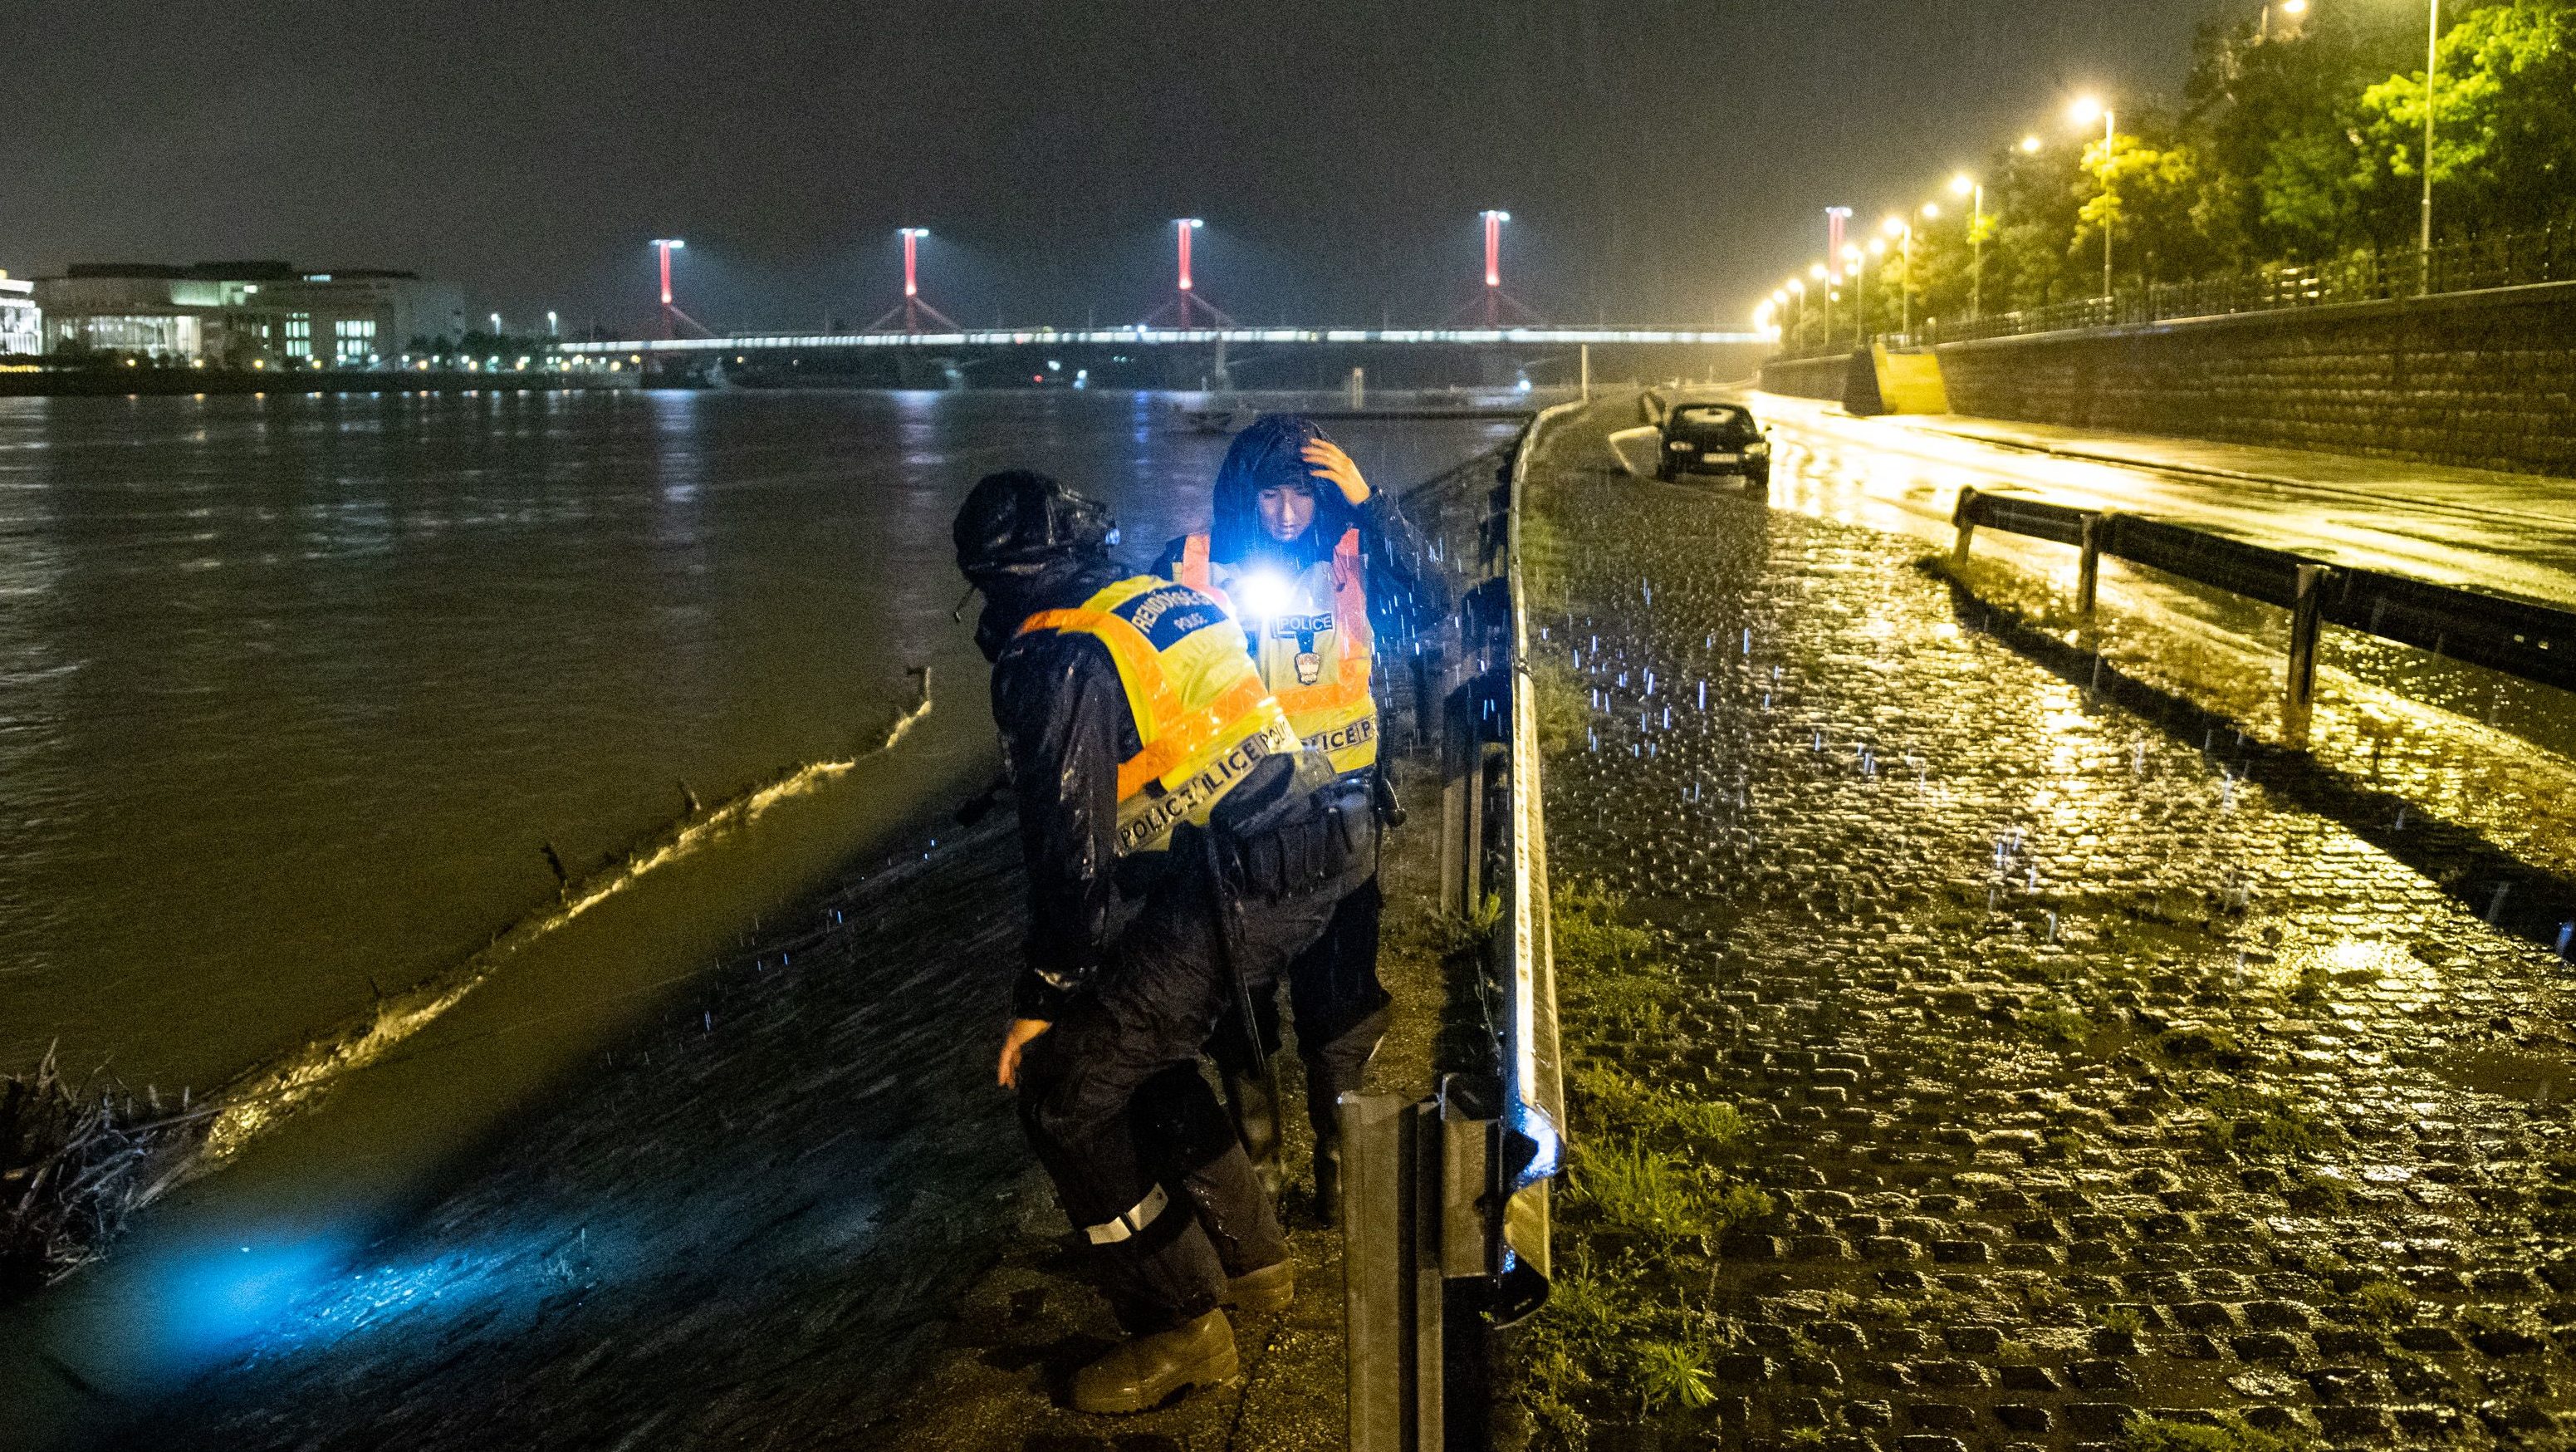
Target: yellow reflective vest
[
  {"x": 1202, "y": 714},
  {"x": 1312, "y": 643}
]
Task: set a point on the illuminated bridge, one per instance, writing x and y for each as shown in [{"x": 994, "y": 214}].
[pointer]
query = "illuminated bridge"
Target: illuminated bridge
[
  {"x": 1140, "y": 355},
  {"x": 1163, "y": 337}
]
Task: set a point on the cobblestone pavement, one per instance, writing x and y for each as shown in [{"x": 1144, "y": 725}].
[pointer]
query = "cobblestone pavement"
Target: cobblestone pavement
[{"x": 2088, "y": 1077}]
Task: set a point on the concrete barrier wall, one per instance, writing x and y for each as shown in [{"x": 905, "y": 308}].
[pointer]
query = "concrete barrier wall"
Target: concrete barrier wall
[
  {"x": 1808, "y": 377},
  {"x": 2477, "y": 379},
  {"x": 2485, "y": 380}
]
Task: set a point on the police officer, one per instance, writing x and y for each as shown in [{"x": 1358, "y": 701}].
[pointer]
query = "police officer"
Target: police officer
[
  {"x": 1318, "y": 568},
  {"x": 1180, "y": 851}
]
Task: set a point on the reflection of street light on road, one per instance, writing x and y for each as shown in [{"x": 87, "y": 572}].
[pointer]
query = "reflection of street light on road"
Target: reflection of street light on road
[{"x": 2082, "y": 114}]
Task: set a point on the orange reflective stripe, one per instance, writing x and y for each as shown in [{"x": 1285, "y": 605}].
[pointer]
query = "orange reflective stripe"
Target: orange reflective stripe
[
  {"x": 1180, "y": 740},
  {"x": 1350, "y": 689},
  {"x": 1172, "y": 733}
]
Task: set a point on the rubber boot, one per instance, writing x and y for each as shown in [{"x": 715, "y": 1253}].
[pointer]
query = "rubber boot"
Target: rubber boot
[
  {"x": 1328, "y": 1179},
  {"x": 1141, "y": 1374},
  {"x": 1256, "y": 1123},
  {"x": 1268, "y": 1289}
]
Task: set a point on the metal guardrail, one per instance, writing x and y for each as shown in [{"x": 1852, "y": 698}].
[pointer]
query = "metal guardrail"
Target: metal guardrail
[
  {"x": 1446, "y": 1199},
  {"x": 2477, "y": 264},
  {"x": 2519, "y": 637}
]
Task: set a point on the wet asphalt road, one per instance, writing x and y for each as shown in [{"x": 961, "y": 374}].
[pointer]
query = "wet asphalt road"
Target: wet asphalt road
[{"x": 2505, "y": 532}]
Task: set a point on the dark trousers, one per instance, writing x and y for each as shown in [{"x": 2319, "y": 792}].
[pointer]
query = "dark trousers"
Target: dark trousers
[
  {"x": 1143, "y": 1159},
  {"x": 1339, "y": 1004}
]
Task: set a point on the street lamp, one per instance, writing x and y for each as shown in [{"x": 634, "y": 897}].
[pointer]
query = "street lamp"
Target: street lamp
[
  {"x": 1968, "y": 186},
  {"x": 1902, "y": 230},
  {"x": 2029, "y": 145},
  {"x": 2432, "y": 64},
  {"x": 2082, "y": 114},
  {"x": 496, "y": 325},
  {"x": 1852, "y": 258},
  {"x": 554, "y": 325}
]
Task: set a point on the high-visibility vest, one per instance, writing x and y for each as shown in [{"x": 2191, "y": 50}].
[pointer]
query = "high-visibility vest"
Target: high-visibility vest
[
  {"x": 1314, "y": 650},
  {"x": 1202, "y": 714}
]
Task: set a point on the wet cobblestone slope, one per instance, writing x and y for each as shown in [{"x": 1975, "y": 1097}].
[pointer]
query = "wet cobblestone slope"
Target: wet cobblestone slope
[{"x": 2088, "y": 1082}]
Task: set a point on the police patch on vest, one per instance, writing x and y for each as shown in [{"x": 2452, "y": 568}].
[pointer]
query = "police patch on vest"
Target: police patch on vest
[
  {"x": 1358, "y": 733},
  {"x": 1303, "y": 624},
  {"x": 1160, "y": 815},
  {"x": 1167, "y": 616}
]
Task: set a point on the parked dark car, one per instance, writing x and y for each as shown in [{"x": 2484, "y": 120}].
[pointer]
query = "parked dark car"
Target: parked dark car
[{"x": 1715, "y": 438}]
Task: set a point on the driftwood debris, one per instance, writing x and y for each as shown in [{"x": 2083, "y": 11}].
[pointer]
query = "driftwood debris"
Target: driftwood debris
[{"x": 74, "y": 1162}]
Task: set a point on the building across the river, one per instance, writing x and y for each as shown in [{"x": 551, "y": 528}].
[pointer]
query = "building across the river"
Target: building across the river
[
  {"x": 21, "y": 325},
  {"x": 245, "y": 314}
]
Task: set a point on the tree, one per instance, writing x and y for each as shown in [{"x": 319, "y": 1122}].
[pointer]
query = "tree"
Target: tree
[
  {"x": 2148, "y": 190},
  {"x": 2504, "y": 118}
]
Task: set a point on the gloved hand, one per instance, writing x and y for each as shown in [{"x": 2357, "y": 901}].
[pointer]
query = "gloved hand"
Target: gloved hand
[
  {"x": 1023, "y": 1032},
  {"x": 1334, "y": 465}
]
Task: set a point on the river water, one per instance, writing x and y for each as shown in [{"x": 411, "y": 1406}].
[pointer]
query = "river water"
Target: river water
[{"x": 297, "y": 693}]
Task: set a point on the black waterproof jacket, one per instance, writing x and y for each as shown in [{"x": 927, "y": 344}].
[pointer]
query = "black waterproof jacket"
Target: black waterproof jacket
[
  {"x": 1065, "y": 728},
  {"x": 1407, "y": 594}
]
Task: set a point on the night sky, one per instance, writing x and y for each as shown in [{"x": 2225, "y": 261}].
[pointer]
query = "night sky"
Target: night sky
[{"x": 1662, "y": 161}]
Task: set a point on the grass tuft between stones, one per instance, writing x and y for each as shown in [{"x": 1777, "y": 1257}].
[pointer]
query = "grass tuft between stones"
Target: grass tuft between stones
[{"x": 2222, "y": 1433}]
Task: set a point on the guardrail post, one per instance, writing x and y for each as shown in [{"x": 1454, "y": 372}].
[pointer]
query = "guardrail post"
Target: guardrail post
[
  {"x": 1459, "y": 749},
  {"x": 1378, "y": 1299},
  {"x": 2299, "y": 689},
  {"x": 1964, "y": 515},
  {"x": 2088, "y": 566}
]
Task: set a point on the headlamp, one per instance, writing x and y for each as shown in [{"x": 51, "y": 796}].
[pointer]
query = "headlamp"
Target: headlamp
[{"x": 1263, "y": 594}]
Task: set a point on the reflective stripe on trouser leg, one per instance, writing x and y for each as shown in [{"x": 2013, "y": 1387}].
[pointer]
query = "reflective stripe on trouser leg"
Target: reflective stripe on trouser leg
[{"x": 1131, "y": 1221}]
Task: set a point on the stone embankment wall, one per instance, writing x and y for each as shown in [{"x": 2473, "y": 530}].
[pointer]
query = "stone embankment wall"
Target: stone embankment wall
[
  {"x": 2473, "y": 379},
  {"x": 1808, "y": 377}
]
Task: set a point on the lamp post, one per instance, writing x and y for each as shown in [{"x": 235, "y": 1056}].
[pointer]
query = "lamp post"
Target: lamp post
[
  {"x": 1798, "y": 311},
  {"x": 1968, "y": 186},
  {"x": 1860, "y": 293},
  {"x": 2082, "y": 113},
  {"x": 1903, "y": 231},
  {"x": 2432, "y": 65}
]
